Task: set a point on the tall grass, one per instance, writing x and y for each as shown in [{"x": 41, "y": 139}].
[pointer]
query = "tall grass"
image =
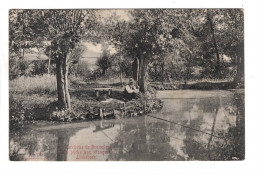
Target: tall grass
[{"x": 38, "y": 84}]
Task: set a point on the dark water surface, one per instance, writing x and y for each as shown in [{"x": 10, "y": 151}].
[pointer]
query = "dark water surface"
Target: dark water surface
[{"x": 193, "y": 125}]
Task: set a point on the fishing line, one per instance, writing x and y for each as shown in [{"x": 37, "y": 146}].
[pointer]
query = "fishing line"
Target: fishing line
[{"x": 187, "y": 127}]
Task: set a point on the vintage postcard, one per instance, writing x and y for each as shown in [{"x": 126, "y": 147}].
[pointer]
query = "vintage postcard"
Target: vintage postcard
[{"x": 126, "y": 85}]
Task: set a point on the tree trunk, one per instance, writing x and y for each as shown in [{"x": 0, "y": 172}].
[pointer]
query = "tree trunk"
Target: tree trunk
[
  {"x": 217, "y": 67},
  {"x": 60, "y": 85},
  {"x": 139, "y": 72},
  {"x": 66, "y": 80},
  {"x": 162, "y": 65},
  {"x": 142, "y": 70},
  {"x": 240, "y": 72},
  {"x": 136, "y": 70},
  {"x": 49, "y": 63},
  {"x": 23, "y": 53},
  {"x": 155, "y": 71},
  {"x": 62, "y": 66}
]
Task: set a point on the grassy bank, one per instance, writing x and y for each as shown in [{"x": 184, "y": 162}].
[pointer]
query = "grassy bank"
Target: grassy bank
[{"x": 35, "y": 98}]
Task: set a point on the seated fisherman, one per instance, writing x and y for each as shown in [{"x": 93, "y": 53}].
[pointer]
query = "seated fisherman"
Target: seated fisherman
[{"x": 130, "y": 91}]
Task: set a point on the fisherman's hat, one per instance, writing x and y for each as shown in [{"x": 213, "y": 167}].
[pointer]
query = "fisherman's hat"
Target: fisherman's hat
[{"x": 131, "y": 80}]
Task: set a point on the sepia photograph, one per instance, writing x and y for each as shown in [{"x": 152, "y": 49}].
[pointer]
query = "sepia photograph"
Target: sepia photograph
[{"x": 163, "y": 84}]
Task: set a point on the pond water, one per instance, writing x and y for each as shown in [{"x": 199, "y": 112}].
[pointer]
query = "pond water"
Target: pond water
[{"x": 192, "y": 125}]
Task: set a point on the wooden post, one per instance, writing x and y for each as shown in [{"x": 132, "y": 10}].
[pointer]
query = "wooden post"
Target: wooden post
[
  {"x": 101, "y": 113},
  {"x": 124, "y": 109},
  {"x": 97, "y": 93},
  {"x": 114, "y": 115}
]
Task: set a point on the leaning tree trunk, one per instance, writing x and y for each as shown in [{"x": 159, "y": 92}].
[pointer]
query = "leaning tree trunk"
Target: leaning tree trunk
[
  {"x": 217, "y": 67},
  {"x": 62, "y": 66}
]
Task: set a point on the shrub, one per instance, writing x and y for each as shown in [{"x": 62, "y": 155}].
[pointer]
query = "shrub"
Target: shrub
[
  {"x": 18, "y": 68},
  {"x": 18, "y": 113},
  {"x": 80, "y": 69},
  {"x": 38, "y": 67}
]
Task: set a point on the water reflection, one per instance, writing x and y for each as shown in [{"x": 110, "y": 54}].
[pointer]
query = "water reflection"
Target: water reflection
[
  {"x": 219, "y": 119},
  {"x": 143, "y": 140}
]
